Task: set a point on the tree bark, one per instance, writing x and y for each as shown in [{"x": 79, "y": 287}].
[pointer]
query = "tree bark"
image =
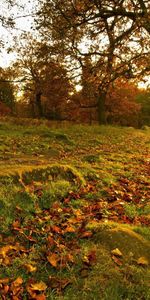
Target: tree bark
[
  {"x": 39, "y": 104},
  {"x": 101, "y": 108}
]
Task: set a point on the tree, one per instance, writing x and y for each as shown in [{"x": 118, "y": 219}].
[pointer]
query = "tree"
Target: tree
[
  {"x": 121, "y": 105},
  {"x": 7, "y": 98},
  {"x": 116, "y": 34},
  {"x": 43, "y": 78},
  {"x": 143, "y": 98}
]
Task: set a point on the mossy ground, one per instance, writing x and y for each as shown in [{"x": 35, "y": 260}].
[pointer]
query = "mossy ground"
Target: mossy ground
[{"x": 68, "y": 198}]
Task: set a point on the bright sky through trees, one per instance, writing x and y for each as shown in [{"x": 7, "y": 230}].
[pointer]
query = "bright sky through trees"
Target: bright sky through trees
[{"x": 23, "y": 16}]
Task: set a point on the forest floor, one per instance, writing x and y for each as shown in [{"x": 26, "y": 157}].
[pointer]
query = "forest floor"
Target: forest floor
[{"x": 74, "y": 213}]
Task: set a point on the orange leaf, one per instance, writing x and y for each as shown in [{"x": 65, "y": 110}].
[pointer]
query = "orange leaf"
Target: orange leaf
[
  {"x": 86, "y": 234},
  {"x": 16, "y": 224},
  {"x": 17, "y": 282},
  {"x": 70, "y": 257},
  {"x": 69, "y": 229},
  {"x": 56, "y": 229},
  {"x": 53, "y": 259},
  {"x": 40, "y": 297},
  {"x": 5, "y": 249},
  {"x": 4, "y": 280},
  {"x": 30, "y": 268},
  {"x": 6, "y": 289}
]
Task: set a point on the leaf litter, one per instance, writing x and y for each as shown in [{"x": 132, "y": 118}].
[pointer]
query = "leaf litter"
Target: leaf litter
[{"x": 53, "y": 237}]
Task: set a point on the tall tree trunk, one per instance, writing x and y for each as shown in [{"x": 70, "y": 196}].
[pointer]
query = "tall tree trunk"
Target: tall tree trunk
[
  {"x": 32, "y": 107},
  {"x": 101, "y": 108},
  {"x": 39, "y": 104}
]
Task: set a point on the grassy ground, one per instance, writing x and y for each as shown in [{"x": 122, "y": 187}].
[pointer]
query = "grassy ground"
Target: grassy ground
[{"x": 74, "y": 213}]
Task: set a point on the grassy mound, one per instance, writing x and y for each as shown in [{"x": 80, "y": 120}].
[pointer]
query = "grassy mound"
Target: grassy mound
[
  {"x": 124, "y": 238},
  {"x": 53, "y": 173},
  {"x": 27, "y": 174}
]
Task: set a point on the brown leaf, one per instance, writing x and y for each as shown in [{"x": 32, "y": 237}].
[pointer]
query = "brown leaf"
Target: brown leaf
[
  {"x": 117, "y": 260},
  {"x": 51, "y": 241},
  {"x": 92, "y": 256},
  {"x": 58, "y": 283}
]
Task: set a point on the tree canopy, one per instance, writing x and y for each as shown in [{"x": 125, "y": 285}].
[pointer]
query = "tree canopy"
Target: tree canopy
[
  {"x": 113, "y": 34},
  {"x": 94, "y": 44}
]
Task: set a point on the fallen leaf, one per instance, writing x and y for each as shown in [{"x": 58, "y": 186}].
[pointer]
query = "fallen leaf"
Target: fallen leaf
[
  {"x": 30, "y": 268},
  {"x": 86, "y": 234},
  {"x": 56, "y": 229},
  {"x": 6, "y": 261},
  {"x": 92, "y": 256},
  {"x": 69, "y": 229},
  {"x": 51, "y": 241},
  {"x": 53, "y": 259},
  {"x": 85, "y": 259},
  {"x": 40, "y": 297},
  {"x": 6, "y": 289},
  {"x": 116, "y": 252},
  {"x": 16, "y": 225},
  {"x": 4, "y": 280},
  {"x": 5, "y": 249},
  {"x": 142, "y": 261},
  {"x": 16, "y": 288},
  {"x": 70, "y": 257},
  {"x": 17, "y": 282},
  {"x": 117, "y": 260},
  {"x": 39, "y": 286},
  {"x": 58, "y": 283}
]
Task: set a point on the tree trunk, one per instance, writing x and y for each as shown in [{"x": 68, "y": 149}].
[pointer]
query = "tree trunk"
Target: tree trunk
[
  {"x": 32, "y": 108},
  {"x": 101, "y": 108},
  {"x": 39, "y": 104}
]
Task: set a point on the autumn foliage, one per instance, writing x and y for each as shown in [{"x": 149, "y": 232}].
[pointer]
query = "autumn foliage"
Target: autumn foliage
[
  {"x": 4, "y": 110},
  {"x": 121, "y": 105}
]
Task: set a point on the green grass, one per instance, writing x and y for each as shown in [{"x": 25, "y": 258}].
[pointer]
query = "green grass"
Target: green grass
[{"x": 74, "y": 194}]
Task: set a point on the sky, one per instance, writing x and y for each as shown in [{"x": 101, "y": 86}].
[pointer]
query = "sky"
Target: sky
[{"x": 23, "y": 24}]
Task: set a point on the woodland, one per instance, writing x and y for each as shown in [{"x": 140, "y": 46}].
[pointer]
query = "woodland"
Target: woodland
[
  {"x": 82, "y": 61},
  {"x": 75, "y": 150}
]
